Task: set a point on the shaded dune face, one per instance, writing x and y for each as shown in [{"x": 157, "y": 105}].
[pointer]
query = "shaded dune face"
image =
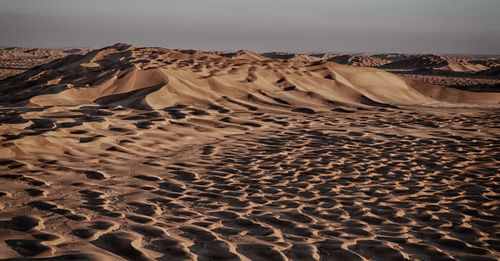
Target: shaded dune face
[{"x": 158, "y": 78}]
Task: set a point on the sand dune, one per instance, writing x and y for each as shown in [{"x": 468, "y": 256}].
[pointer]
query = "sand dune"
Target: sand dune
[
  {"x": 14, "y": 60},
  {"x": 493, "y": 71},
  {"x": 129, "y": 153},
  {"x": 293, "y": 57},
  {"x": 359, "y": 60},
  {"x": 417, "y": 63},
  {"x": 437, "y": 62},
  {"x": 158, "y": 78},
  {"x": 245, "y": 55},
  {"x": 472, "y": 73}
]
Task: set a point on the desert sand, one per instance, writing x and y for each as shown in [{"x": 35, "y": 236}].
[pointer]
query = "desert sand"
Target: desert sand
[
  {"x": 466, "y": 72},
  {"x": 471, "y": 73},
  {"x": 128, "y": 153},
  {"x": 15, "y": 60}
]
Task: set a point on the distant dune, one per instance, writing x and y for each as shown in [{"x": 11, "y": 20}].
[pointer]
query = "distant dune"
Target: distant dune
[
  {"x": 443, "y": 63},
  {"x": 359, "y": 60},
  {"x": 14, "y": 60}
]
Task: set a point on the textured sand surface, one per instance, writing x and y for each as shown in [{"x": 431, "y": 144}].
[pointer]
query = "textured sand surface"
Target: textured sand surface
[
  {"x": 467, "y": 72},
  {"x": 154, "y": 154},
  {"x": 472, "y": 73},
  {"x": 15, "y": 60}
]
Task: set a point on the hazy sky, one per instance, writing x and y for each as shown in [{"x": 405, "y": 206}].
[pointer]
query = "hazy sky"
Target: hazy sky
[{"x": 429, "y": 26}]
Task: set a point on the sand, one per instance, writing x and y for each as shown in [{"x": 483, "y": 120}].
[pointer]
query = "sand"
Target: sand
[
  {"x": 470, "y": 73},
  {"x": 132, "y": 153},
  {"x": 15, "y": 60}
]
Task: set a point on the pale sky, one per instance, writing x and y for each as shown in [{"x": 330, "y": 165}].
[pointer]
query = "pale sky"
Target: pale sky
[{"x": 407, "y": 26}]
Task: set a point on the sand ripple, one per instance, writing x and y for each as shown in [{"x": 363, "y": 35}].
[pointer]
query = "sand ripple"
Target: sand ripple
[{"x": 91, "y": 183}]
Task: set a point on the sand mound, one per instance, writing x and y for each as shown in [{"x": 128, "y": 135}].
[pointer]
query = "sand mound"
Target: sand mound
[
  {"x": 157, "y": 78},
  {"x": 359, "y": 60},
  {"x": 436, "y": 62},
  {"x": 492, "y": 72},
  {"x": 245, "y": 55},
  {"x": 14, "y": 60},
  {"x": 293, "y": 57},
  {"x": 416, "y": 62}
]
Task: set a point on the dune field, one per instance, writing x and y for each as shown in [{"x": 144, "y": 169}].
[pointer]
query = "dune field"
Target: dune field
[{"x": 128, "y": 153}]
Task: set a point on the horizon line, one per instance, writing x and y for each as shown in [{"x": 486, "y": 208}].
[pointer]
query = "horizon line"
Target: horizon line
[{"x": 259, "y": 52}]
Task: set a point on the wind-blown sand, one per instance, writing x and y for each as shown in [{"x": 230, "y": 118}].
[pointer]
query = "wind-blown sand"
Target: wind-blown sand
[{"x": 154, "y": 154}]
